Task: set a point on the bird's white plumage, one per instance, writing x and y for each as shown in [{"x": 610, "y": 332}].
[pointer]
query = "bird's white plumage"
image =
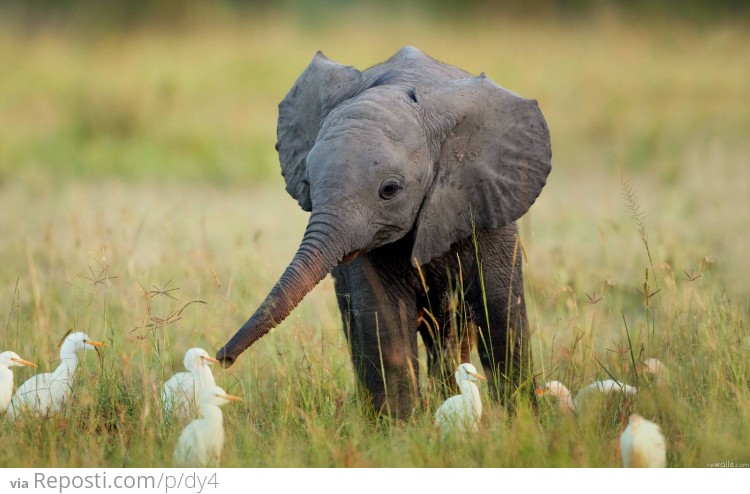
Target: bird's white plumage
[
  {"x": 568, "y": 402},
  {"x": 181, "y": 393},
  {"x": 201, "y": 442},
  {"x": 607, "y": 387},
  {"x": 7, "y": 360},
  {"x": 47, "y": 393},
  {"x": 559, "y": 391},
  {"x": 461, "y": 413},
  {"x": 642, "y": 444}
]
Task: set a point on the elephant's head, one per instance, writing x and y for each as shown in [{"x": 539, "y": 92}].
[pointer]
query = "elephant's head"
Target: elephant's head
[{"x": 411, "y": 145}]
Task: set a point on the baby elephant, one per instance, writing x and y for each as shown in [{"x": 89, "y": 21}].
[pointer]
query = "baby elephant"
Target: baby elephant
[{"x": 414, "y": 173}]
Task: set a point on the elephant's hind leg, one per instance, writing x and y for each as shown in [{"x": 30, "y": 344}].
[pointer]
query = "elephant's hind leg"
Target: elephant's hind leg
[{"x": 448, "y": 336}]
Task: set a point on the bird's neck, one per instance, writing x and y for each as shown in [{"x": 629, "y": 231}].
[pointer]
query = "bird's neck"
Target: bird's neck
[
  {"x": 212, "y": 414},
  {"x": 6, "y": 387},
  {"x": 68, "y": 365},
  {"x": 470, "y": 393},
  {"x": 204, "y": 376}
]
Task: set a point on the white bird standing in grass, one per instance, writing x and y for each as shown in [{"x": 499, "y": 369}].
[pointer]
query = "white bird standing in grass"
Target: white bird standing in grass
[
  {"x": 46, "y": 393},
  {"x": 462, "y": 412},
  {"x": 642, "y": 444},
  {"x": 7, "y": 360},
  {"x": 201, "y": 442},
  {"x": 568, "y": 403},
  {"x": 182, "y": 391}
]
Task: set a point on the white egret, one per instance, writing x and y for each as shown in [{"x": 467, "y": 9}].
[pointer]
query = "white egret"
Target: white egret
[
  {"x": 181, "y": 392},
  {"x": 568, "y": 403},
  {"x": 46, "y": 393},
  {"x": 559, "y": 391},
  {"x": 9, "y": 359},
  {"x": 462, "y": 412},
  {"x": 201, "y": 442},
  {"x": 642, "y": 444}
]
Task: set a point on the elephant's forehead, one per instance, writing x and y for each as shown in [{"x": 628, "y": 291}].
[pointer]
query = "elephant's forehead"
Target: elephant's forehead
[
  {"x": 351, "y": 148},
  {"x": 376, "y": 114}
]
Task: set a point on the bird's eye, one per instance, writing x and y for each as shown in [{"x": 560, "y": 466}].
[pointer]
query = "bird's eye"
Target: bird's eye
[{"x": 389, "y": 188}]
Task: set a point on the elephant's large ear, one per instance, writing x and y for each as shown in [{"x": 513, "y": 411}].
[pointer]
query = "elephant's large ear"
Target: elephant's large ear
[
  {"x": 321, "y": 87},
  {"x": 493, "y": 157}
]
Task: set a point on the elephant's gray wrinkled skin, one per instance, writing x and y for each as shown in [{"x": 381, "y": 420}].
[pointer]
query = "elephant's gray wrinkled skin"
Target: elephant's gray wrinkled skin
[{"x": 399, "y": 165}]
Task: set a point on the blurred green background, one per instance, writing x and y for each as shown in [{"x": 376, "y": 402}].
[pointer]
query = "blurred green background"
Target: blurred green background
[{"x": 187, "y": 91}]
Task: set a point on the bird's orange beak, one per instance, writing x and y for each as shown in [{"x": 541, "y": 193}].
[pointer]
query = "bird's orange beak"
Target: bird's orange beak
[
  {"x": 97, "y": 344},
  {"x": 209, "y": 359},
  {"x": 540, "y": 391},
  {"x": 231, "y": 398},
  {"x": 24, "y": 362},
  {"x": 479, "y": 376}
]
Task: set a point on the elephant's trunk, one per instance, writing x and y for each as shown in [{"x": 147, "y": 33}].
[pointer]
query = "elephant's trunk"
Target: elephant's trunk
[{"x": 317, "y": 255}]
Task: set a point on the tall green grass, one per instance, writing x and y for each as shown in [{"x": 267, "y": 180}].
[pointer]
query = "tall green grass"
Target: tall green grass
[{"x": 220, "y": 245}]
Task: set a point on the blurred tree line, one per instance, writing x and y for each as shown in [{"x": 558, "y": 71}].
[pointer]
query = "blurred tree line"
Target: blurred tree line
[{"x": 123, "y": 13}]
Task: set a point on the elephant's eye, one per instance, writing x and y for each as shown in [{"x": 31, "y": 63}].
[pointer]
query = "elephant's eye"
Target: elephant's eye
[{"x": 390, "y": 188}]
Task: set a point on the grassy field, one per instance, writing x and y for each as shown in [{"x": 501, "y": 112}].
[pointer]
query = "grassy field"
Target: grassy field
[{"x": 142, "y": 160}]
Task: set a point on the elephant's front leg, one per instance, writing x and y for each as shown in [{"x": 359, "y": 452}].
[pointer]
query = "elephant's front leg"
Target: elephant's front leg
[
  {"x": 380, "y": 324},
  {"x": 384, "y": 354}
]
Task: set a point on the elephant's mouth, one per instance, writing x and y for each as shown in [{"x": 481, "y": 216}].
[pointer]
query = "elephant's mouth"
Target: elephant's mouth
[{"x": 350, "y": 257}]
